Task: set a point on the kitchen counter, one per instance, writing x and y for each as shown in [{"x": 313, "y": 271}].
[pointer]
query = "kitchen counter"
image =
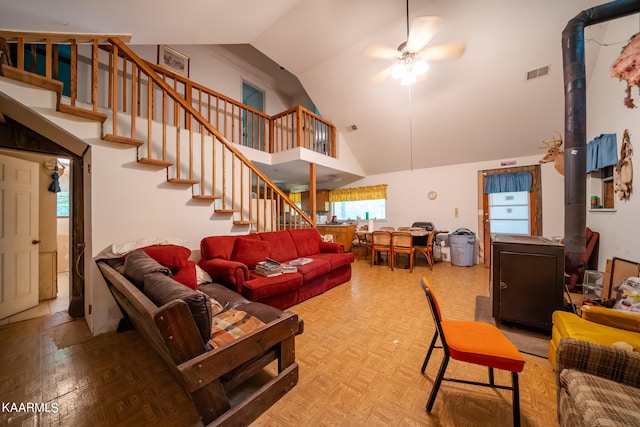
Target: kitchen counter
[{"x": 342, "y": 233}]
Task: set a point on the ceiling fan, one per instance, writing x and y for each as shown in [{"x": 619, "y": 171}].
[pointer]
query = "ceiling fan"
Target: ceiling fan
[{"x": 412, "y": 57}]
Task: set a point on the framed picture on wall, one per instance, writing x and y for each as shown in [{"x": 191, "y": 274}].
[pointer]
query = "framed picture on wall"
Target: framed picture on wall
[{"x": 173, "y": 60}]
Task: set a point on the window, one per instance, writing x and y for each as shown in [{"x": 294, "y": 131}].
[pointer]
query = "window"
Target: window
[
  {"x": 359, "y": 203},
  {"x": 509, "y": 212},
  {"x": 602, "y": 156},
  {"x": 62, "y": 197},
  {"x": 360, "y": 209},
  {"x": 601, "y": 187}
]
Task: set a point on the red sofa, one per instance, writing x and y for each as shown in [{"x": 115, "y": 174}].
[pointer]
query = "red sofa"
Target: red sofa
[{"x": 231, "y": 261}]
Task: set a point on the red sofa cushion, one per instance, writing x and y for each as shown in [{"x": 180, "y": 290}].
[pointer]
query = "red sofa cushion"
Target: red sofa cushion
[
  {"x": 187, "y": 275},
  {"x": 336, "y": 260},
  {"x": 221, "y": 246},
  {"x": 307, "y": 241},
  {"x": 282, "y": 246},
  {"x": 260, "y": 287},
  {"x": 318, "y": 267},
  {"x": 250, "y": 251},
  {"x": 171, "y": 256}
]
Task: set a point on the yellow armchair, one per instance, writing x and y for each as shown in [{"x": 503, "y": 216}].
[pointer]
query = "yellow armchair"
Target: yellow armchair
[{"x": 598, "y": 325}]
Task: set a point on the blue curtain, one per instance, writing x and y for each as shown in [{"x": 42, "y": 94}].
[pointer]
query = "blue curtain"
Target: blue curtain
[
  {"x": 602, "y": 152},
  {"x": 508, "y": 182}
]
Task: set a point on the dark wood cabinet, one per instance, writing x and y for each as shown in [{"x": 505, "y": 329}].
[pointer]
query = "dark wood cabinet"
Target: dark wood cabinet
[
  {"x": 322, "y": 201},
  {"x": 527, "y": 279}
]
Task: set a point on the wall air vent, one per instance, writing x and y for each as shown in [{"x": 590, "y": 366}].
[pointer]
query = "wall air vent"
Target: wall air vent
[
  {"x": 352, "y": 127},
  {"x": 542, "y": 71}
]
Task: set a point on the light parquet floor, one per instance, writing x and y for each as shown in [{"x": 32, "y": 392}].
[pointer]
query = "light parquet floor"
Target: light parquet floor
[{"x": 360, "y": 357}]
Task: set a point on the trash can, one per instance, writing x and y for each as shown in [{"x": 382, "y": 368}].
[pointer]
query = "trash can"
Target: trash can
[{"x": 462, "y": 243}]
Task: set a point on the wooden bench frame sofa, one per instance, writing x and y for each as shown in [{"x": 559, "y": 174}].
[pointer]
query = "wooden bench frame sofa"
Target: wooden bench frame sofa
[{"x": 210, "y": 377}]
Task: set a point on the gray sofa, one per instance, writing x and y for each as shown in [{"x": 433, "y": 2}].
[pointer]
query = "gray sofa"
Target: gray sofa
[{"x": 597, "y": 385}]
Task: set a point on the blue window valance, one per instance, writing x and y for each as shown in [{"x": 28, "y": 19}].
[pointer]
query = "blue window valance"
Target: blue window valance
[
  {"x": 508, "y": 182},
  {"x": 602, "y": 151}
]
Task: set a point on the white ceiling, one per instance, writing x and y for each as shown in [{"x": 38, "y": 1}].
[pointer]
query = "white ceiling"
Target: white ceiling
[{"x": 478, "y": 107}]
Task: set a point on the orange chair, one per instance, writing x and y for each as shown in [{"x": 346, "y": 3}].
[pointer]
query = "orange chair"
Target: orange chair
[
  {"x": 473, "y": 342},
  {"x": 402, "y": 243},
  {"x": 428, "y": 250},
  {"x": 381, "y": 243}
]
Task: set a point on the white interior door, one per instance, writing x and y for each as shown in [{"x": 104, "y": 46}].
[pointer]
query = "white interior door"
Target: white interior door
[{"x": 18, "y": 235}]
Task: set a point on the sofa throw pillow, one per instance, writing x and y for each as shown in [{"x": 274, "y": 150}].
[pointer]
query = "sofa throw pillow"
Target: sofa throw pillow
[
  {"x": 172, "y": 256},
  {"x": 138, "y": 264},
  {"x": 250, "y": 251},
  {"x": 162, "y": 289},
  {"x": 187, "y": 275}
]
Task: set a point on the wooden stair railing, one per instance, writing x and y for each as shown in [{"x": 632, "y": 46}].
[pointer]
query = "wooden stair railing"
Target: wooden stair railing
[
  {"x": 173, "y": 134},
  {"x": 296, "y": 127}
]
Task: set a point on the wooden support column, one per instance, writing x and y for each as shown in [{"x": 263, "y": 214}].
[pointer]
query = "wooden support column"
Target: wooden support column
[{"x": 312, "y": 193}]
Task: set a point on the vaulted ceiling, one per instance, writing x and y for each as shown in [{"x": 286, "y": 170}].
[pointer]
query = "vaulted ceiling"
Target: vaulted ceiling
[{"x": 478, "y": 107}]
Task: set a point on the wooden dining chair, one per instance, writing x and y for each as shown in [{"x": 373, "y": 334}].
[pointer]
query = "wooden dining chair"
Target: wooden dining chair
[
  {"x": 381, "y": 243},
  {"x": 404, "y": 228},
  {"x": 402, "y": 243},
  {"x": 472, "y": 342},
  {"x": 427, "y": 250},
  {"x": 365, "y": 241},
  {"x": 389, "y": 229}
]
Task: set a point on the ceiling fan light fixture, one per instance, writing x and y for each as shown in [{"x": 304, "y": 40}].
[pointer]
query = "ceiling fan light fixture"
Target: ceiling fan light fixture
[
  {"x": 399, "y": 71},
  {"x": 419, "y": 68},
  {"x": 407, "y": 80}
]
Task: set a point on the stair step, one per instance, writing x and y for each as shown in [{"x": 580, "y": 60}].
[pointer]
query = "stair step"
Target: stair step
[
  {"x": 243, "y": 222},
  {"x": 83, "y": 112},
  {"x": 206, "y": 197},
  {"x": 155, "y": 162},
  {"x": 33, "y": 79},
  {"x": 183, "y": 181},
  {"x": 123, "y": 140},
  {"x": 226, "y": 211}
]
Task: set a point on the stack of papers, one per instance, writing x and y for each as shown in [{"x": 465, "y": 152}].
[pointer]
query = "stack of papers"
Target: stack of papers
[{"x": 300, "y": 261}]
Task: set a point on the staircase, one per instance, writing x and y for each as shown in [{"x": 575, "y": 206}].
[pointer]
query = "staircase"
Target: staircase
[{"x": 174, "y": 124}]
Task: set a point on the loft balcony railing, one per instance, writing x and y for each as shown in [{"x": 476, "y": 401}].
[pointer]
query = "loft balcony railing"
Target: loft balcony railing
[{"x": 175, "y": 123}]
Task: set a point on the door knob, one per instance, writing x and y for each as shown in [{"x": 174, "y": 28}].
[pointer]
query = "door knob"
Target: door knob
[{"x": 35, "y": 242}]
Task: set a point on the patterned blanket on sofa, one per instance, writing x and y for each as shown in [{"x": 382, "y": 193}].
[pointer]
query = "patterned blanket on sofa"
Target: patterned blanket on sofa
[{"x": 230, "y": 325}]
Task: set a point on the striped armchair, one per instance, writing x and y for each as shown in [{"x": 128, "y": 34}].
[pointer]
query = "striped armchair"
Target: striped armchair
[{"x": 597, "y": 384}]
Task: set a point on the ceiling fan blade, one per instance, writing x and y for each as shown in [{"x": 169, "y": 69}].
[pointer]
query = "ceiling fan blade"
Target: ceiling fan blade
[
  {"x": 382, "y": 75},
  {"x": 423, "y": 28},
  {"x": 380, "y": 52},
  {"x": 443, "y": 51}
]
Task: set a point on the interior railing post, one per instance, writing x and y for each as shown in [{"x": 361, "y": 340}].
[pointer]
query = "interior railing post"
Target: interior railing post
[
  {"x": 94, "y": 75},
  {"x": 74, "y": 72},
  {"x": 48, "y": 59},
  {"x": 20, "y": 49},
  {"x": 299, "y": 118},
  {"x": 114, "y": 88}
]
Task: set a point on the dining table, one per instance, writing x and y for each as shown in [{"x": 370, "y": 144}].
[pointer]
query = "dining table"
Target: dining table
[{"x": 418, "y": 235}]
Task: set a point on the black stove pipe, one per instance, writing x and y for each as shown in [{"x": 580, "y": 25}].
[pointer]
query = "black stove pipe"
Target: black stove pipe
[{"x": 575, "y": 124}]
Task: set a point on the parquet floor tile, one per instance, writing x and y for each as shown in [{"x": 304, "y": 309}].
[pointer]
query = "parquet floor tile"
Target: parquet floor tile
[{"x": 360, "y": 357}]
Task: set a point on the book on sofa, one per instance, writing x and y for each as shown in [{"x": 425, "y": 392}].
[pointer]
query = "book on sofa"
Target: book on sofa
[
  {"x": 300, "y": 261},
  {"x": 268, "y": 268}
]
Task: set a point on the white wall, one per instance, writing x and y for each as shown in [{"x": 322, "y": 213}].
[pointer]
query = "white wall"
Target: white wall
[
  {"x": 457, "y": 187},
  {"x": 606, "y": 113},
  {"x": 215, "y": 69}
]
